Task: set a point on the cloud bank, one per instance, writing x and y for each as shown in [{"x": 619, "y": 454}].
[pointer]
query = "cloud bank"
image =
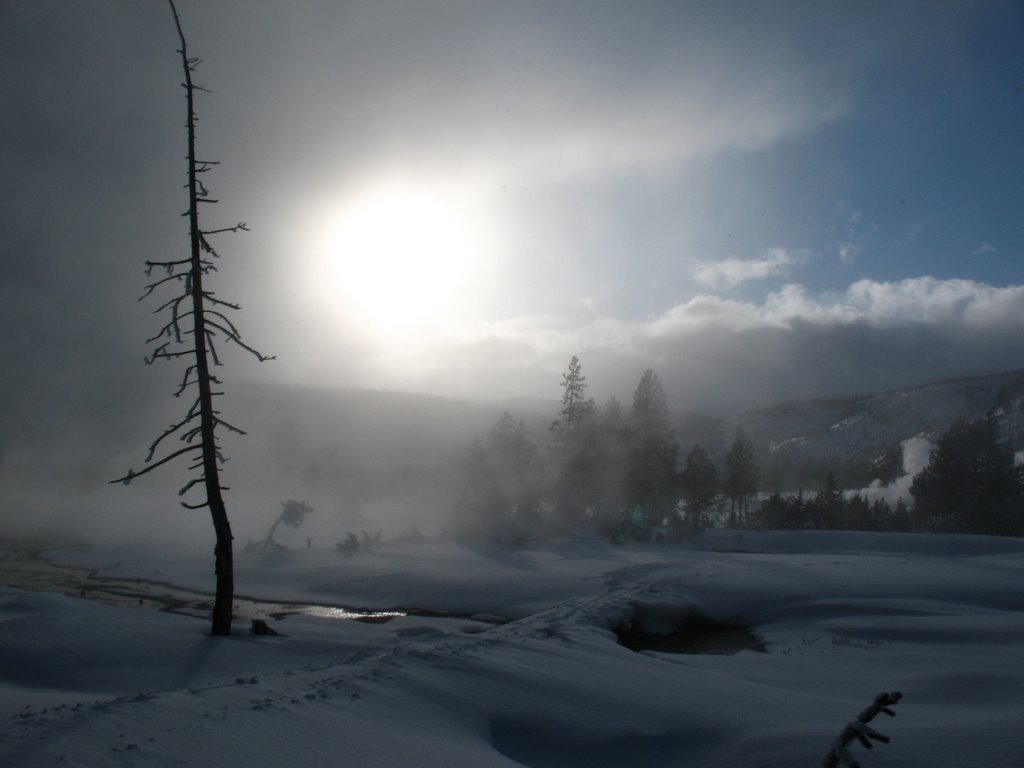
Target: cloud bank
[{"x": 721, "y": 354}]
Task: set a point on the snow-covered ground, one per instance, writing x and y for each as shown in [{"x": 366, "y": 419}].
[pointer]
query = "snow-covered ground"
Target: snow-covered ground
[{"x": 843, "y": 617}]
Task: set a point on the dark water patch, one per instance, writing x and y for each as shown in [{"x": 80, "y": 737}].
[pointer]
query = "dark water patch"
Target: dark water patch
[{"x": 697, "y": 635}]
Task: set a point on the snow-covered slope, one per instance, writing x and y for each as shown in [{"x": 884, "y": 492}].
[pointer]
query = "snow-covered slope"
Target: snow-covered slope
[{"x": 868, "y": 431}]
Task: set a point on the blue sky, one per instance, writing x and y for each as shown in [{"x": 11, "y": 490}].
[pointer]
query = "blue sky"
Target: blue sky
[{"x": 762, "y": 201}]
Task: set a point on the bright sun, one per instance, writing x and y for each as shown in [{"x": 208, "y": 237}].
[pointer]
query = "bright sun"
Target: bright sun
[{"x": 399, "y": 258}]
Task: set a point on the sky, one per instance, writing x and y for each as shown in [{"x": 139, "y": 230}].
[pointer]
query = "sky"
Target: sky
[{"x": 762, "y": 201}]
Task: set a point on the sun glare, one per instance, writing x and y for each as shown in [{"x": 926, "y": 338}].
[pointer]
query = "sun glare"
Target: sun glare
[{"x": 398, "y": 259}]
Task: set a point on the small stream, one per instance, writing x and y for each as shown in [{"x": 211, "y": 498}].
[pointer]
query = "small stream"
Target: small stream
[{"x": 25, "y": 567}]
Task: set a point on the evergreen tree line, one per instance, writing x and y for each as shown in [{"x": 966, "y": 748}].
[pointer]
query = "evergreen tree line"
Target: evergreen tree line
[
  {"x": 614, "y": 469},
  {"x": 830, "y": 508},
  {"x": 972, "y": 484},
  {"x": 620, "y": 472}
]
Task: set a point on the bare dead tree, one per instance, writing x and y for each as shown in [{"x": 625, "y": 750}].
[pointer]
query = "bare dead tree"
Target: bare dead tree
[
  {"x": 859, "y": 730},
  {"x": 195, "y": 319}
]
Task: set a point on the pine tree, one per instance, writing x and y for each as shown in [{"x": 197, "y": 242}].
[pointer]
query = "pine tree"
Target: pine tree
[
  {"x": 613, "y": 441},
  {"x": 741, "y": 478},
  {"x": 501, "y": 485},
  {"x": 880, "y": 516},
  {"x": 651, "y": 476},
  {"x": 575, "y": 406},
  {"x": 700, "y": 486},
  {"x": 575, "y": 449},
  {"x": 828, "y": 505},
  {"x": 971, "y": 483},
  {"x": 902, "y": 518}
]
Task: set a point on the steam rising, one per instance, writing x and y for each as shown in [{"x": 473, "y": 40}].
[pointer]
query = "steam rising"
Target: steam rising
[{"x": 916, "y": 453}]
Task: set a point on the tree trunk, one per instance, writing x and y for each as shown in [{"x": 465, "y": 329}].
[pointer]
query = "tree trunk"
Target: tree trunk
[
  {"x": 270, "y": 534},
  {"x": 223, "y": 554},
  {"x": 223, "y": 603}
]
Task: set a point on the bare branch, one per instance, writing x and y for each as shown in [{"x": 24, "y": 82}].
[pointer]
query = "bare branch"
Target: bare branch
[
  {"x": 191, "y": 484},
  {"x": 230, "y": 427},
  {"x": 169, "y": 355},
  {"x": 226, "y": 319},
  {"x": 168, "y": 265},
  {"x": 207, "y": 247},
  {"x": 153, "y": 286},
  {"x": 234, "y": 337},
  {"x": 208, "y": 296},
  {"x": 132, "y": 474},
  {"x": 239, "y": 227},
  {"x": 212, "y": 347},
  {"x": 860, "y": 730},
  {"x": 214, "y": 324},
  {"x": 184, "y": 380},
  {"x": 175, "y": 301},
  {"x": 166, "y": 433}
]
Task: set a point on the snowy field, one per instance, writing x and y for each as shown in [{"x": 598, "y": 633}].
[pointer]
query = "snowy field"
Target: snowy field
[{"x": 841, "y": 616}]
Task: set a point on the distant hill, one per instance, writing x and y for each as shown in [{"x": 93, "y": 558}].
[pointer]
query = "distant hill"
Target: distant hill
[
  {"x": 860, "y": 437},
  {"x": 363, "y": 443}
]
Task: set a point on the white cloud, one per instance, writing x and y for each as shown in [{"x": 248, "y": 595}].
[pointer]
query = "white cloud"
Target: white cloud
[
  {"x": 731, "y": 272},
  {"x": 937, "y": 302},
  {"x": 915, "y": 301},
  {"x": 984, "y": 249},
  {"x": 848, "y": 252},
  {"x": 944, "y": 305},
  {"x": 852, "y": 233}
]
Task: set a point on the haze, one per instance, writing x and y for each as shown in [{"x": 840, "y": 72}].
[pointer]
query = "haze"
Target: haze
[{"x": 761, "y": 201}]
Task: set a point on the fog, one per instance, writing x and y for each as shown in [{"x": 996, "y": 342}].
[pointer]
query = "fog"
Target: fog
[
  {"x": 703, "y": 189},
  {"x": 363, "y": 459}
]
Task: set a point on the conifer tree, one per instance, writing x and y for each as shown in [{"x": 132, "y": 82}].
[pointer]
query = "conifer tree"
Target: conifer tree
[
  {"x": 972, "y": 483},
  {"x": 575, "y": 406},
  {"x": 741, "y": 477},
  {"x": 651, "y": 473},
  {"x": 828, "y": 504},
  {"x": 609, "y": 490},
  {"x": 575, "y": 447},
  {"x": 501, "y": 491},
  {"x": 700, "y": 485}
]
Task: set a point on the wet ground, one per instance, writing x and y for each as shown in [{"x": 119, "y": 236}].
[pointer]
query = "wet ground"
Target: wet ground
[{"x": 25, "y": 566}]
